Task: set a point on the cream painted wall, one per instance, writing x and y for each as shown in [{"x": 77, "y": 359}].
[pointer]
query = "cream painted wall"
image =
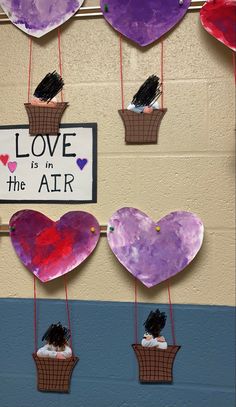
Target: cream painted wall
[{"x": 192, "y": 167}]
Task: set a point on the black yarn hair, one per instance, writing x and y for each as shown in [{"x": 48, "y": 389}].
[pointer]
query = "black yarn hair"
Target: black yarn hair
[
  {"x": 49, "y": 87},
  {"x": 149, "y": 92},
  {"x": 155, "y": 322},
  {"x": 56, "y": 335}
]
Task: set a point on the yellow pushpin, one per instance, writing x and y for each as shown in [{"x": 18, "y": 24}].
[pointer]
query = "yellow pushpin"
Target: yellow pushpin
[
  {"x": 158, "y": 228},
  {"x": 92, "y": 229}
]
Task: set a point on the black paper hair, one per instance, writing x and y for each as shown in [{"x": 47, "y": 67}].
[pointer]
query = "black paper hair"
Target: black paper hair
[
  {"x": 149, "y": 92},
  {"x": 56, "y": 335},
  {"x": 155, "y": 322},
  {"x": 49, "y": 87}
]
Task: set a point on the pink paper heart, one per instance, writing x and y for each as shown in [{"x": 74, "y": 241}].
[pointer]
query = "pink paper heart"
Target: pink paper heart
[
  {"x": 51, "y": 249},
  {"x": 38, "y": 17},
  {"x": 12, "y": 166},
  {"x": 219, "y": 19},
  {"x": 154, "y": 251}
]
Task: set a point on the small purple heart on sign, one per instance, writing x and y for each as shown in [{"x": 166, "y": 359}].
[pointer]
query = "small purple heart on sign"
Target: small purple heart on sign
[{"x": 81, "y": 162}]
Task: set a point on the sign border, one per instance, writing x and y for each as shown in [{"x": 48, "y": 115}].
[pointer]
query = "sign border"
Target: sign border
[{"x": 93, "y": 126}]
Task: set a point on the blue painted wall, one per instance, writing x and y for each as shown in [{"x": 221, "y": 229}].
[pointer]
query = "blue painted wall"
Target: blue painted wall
[{"x": 107, "y": 373}]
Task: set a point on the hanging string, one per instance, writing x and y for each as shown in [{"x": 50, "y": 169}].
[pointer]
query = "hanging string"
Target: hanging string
[
  {"x": 68, "y": 310},
  {"x": 171, "y": 315},
  {"x": 162, "y": 74},
  {"x": 60, "y": 56},
  {"x": 135, "y": 310},
  {"x": 234, "y": 65},
  {"x": 29, "y": 67},
  {"x": 121, "y": 74},
  {"x": 35, "y": 318}
]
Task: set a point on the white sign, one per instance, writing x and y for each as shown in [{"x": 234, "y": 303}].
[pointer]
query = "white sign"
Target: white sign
[{"x": 49, "y": 168}]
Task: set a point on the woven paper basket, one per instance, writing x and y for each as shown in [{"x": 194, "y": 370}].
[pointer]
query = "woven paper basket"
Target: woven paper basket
[
  {"x": 54, "y": 374},
  {"x": 45, "y": 120},
  {"x": 155, "y": 365},
  {"x": 141, "y": 128}
]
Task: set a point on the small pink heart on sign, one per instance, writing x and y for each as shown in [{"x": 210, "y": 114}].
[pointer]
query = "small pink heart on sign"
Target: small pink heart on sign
[
  {"x": 12, "y": 166},
  {"x": 51, "y": 249},
  {"x": 154, "y": 251},
  {"x": 4, "y": 158}
]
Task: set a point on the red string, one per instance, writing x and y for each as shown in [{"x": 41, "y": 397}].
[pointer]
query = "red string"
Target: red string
[
  {"x": 35, "y": 317},
  {"x": 121, "y": 75},
  {"x": 68, "y": 310},
  {"x": 162, "y": 74},
  {"x": 234, "y": 65},
  {"x": 171, "y": 315},
  {"x": 60, "y": 56},
  {"x": 29, "y": 67},
  {"x": 136, "y": 310}
]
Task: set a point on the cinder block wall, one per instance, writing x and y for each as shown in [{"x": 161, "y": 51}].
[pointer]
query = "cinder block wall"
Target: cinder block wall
[{"x": 191, "y": 168}]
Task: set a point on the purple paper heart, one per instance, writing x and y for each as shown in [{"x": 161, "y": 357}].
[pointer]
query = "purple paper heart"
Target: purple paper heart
[
  {"x": 81, "y": 162},
  {"x": 50, "y": 249},
  {"x": 154, "y": 251},
  {"x": 143, "y": 21},
  {"x": 38, "y": 17}
]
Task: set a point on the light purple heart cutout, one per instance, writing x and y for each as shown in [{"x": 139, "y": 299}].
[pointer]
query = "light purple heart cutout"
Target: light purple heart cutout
[
  {"x": 38, "y": 17},
  {"x": 143, "y": 21},
  {"x": 154, "y": 251},
  {"x": 51, "y": 249}
]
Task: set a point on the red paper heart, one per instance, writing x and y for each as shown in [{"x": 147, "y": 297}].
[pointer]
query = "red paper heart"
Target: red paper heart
[
  {"x": 50, "y": 249},
  {"x": 218, "y": 17},
  {"x": 4, "y": 158}
]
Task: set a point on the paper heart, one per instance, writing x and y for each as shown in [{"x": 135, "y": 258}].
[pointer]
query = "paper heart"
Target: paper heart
[
  {"x": 154, "y": 251},
  {"x": 219, "y": 19},
  {"x": 4, "y": 158},
  {"x": 50, "y": 249},
  {"x": 81, "y": 162},
  {"x": 12, "y": 166},
  {"x": 38, "y": 17},
  {"x": 143, "y": 21}
]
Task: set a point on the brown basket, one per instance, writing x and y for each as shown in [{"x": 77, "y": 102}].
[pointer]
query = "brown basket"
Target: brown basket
[
  {"x": 155, "y": 365},
  {"x": 54, "y": 374},
  {"x": 45, "y": 120},
  {"x": 141, "y": 128}
]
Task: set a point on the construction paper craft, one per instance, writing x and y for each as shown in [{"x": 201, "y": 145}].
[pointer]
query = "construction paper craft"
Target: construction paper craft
[
  {"x": 51, "y": 249},
  {"x": 38, "y": 17},
  {"x": 144, "y": 21},
  {"x": 44, "y": 111},
  {"x": 218, "y": 17},
  {"x": 154, "y": 251}
]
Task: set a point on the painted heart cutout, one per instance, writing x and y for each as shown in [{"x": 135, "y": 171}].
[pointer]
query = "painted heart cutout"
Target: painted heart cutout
[
  {"x": 219, "y": 19},
  {"x": 4, "y": 158},
  {"x": 12, "y": 165},
  {"x": 154, "y": 251},
  {"x": 143, "y": 21},
  {"x": 50, "y": 249},
  {"x": 81, "y": 162},
  {"x": 38, "y": 17}
]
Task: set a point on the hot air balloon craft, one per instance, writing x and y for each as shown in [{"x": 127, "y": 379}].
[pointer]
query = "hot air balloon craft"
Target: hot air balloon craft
[
  {"x": 155, "y": 357},
  {"x": 44, "y": 111},
  {"x": 143, "y": 116},
  {"x": 55, "y": 361}
]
